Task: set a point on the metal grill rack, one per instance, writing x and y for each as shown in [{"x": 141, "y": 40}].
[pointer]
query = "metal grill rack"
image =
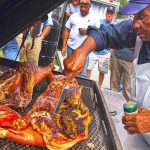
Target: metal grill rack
[{"x": 101, "y": 134}]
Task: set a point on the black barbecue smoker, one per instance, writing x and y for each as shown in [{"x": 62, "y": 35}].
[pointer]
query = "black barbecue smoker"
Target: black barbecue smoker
[{"x": 17, "y": 15}]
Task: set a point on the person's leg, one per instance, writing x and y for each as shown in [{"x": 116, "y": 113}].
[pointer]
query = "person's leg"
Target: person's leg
[
  {"x": 127, "y": 69},
  {"x": 11, "y": 50},
  {"x": 116, "y": 73},
  {"x": 92, "y": 62},
  {"x": 33, "y": 54},
  {"x": 83, "y": 74},
  {"x": 101, "y": 78},
  {"x": 89, "y": 73},
  {"x": 69, "y": 51},
  {"x": 22, "y": 50},
  {"x": 103, "y": 67}
]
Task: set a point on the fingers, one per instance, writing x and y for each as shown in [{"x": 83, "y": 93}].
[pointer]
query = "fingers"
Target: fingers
[
  {"x": 131, "y": 130},
  {"x": 74, "y": 65},
  {"x": 68, "y": 72},
  {"x": 130, "y": 125},
  {"x": 63, "y": 53},
  {"x": 70, "y": 75},
  {"x": 69, "y": 78},
  {"x": 127, "y": 118},
  {"x": 83, "y": 31},
  {"x": 138, "y": 123},
  {"x": 142, "y": 110}
]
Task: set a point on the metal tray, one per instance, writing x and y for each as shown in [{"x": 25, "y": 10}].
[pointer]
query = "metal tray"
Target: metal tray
[{"x": 102, "y": 133}]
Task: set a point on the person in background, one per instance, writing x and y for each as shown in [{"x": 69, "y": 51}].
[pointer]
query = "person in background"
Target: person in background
[
  {"x": 37, "y": 33},
  {"x": 45, "y": 29},
  {"x": 72, "y": 8},
  {"x": 11, "y": 50},
  {"x": 128, "y": 33},
  {"x": 103, "y": 57},
  {"x": 75, "y": 31},
  {"x": 121, "y": 68}
]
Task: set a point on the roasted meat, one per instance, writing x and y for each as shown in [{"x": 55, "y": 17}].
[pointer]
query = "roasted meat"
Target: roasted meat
[
  {"x": 16, "y": 85},
  {"x": 41, "y": 126}
]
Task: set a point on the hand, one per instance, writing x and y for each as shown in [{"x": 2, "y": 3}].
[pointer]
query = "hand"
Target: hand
[
  {"x": 74, "y": 64},
  {"x": 42, "y": 38},
  {"x": 111, "y": 51},
  {"x": 137, "y": 123},
  {"x": 27, "y": 44},
  {"x": 83, "y": 31},
  {"x": 63, "y": 51}
]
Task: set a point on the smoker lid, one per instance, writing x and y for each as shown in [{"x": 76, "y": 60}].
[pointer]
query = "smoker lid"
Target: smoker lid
[{"x": 16, "y": 15}]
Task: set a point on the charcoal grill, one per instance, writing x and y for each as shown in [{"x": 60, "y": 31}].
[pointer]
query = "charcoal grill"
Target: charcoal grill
[{"x": 102, "y": 134}]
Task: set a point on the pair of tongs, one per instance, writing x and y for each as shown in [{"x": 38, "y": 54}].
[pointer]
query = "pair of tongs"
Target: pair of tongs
[{"x": 62, "y": 98}]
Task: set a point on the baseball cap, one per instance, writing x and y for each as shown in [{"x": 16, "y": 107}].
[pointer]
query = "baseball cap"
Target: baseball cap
[
  {"x": 110, "y": 8},
  {"x": 134, "y": 6}
]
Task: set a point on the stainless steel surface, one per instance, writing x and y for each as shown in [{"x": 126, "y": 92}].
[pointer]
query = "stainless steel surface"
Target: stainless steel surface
[{"x": 115, "y": 101}]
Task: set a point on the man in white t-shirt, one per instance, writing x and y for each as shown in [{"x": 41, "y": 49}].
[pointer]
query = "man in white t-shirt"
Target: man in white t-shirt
[{"x": 76, "y": 30}]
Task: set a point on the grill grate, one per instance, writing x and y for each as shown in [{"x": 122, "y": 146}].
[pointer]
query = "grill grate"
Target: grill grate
[{"x": 96, "y": 132}]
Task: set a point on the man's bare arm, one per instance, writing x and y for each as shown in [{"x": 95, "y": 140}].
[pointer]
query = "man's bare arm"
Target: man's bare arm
[
  {"x": 65, "y": 39},
  {"x": 45, "y": 32},
  {"x": 35, "y": 30},
  {"x": 74, "y": 64}
]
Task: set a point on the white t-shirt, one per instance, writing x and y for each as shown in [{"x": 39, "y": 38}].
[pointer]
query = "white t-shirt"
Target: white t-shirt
[
  {"x": 71, "y": 9},
  {"x": 77, "y": 21}
]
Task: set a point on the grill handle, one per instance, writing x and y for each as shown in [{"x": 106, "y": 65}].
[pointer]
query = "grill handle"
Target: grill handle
[
  {"x": 113, "y": 113},
  {"x": 95, "y": 101}
]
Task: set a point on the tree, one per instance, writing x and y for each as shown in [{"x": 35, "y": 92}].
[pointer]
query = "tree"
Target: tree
[{"x": 122, "y": 4}]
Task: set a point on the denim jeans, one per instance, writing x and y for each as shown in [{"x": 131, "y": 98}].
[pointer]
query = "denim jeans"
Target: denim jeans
[
  {"x": 10, "y": 50},
  {"x": 83, "y": 74}
]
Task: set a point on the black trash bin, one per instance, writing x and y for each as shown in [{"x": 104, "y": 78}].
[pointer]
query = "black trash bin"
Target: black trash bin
[
  {"x": 47, "y": 53},
  {"x": 49, "y": 45}
]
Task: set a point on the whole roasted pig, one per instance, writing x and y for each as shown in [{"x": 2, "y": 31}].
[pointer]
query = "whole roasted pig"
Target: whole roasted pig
[
  {"x": 16, "y": 85},
  {"x": 41, "y": 126}
]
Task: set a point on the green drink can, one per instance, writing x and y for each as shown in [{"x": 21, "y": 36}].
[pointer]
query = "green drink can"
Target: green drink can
[{"x": 130, "y": 107}]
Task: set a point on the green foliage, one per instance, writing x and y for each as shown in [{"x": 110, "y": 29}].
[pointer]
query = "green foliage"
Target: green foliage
[{"x": 122, "y": 4}]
